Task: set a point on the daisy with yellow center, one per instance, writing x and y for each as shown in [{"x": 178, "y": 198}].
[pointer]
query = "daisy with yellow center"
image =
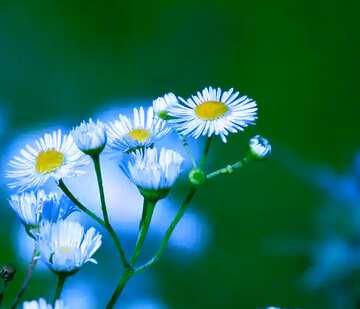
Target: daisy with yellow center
[
  {"x": 53, "y": 156},
  {"x": 141, "y": 131},
  {"x": 213, "y": 111},
  {"x": 65, "y": 246}
]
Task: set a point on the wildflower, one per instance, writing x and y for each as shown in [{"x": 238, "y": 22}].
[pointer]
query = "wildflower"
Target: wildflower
[
  {"x": 33, "y": 207},
  {"x": 162, "y": 104},
  {"x": 42, "y": 304},
  {"x": 260, "y": 147},
  {"x": 153, "y": 171},
  {"x": 7, "y": 272},
  {"x": 65, "y": 246},
  {"x": 141, "y": 131},
  {"x": 54, "y": 156},
  {"x": 90, "y": 137},
  {"x": 213, "y": 111}
]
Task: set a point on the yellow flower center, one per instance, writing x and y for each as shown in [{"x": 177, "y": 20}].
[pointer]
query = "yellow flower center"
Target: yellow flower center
[
  {"x": 211, "y": 110},
  {"x": 49, "y": 161},
  {"x": 66, "y": 250},
  {"x": 140, "y": 135}
]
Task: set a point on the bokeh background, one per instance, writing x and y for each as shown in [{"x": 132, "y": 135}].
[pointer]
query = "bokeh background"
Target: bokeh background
[{"x": 250, "y": 238}]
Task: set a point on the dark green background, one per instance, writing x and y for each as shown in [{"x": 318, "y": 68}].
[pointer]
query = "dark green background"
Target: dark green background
[{"x": 60, "y": 61}]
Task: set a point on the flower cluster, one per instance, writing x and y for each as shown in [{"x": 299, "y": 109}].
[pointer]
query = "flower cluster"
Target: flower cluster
[{"x": 64, "y": 245}]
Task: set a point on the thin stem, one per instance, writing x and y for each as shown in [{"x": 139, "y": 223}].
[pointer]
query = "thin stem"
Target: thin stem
[
  {"x": 205, "y": 152},
  {"x": 229, "y": 169},
  {"x": 170, "y": 230},
  {"x": 148, "y": 210},
  {"x": 109, "y": 228},
  {"x": 3, "y": 290},
  {"x": 27, "y": 279},
  {"x": 119, "y": 288},
  {"x": 92, "y": 215},
  {"x": 188, "y": 149},
  {"x": 96, "y": 160},
  {"x": 59, "y": 287}
]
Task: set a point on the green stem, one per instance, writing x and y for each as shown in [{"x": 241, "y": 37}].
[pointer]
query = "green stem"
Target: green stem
[
  {"x": 188, "y": 149},
  {"x": 148, "y": 210},
  {"x": 92, "y": 215},
  {"x": 27, "y": 279},
  {"x": 170, "y": 230},
  {"x": 96, "y": 160},
  {"x": 119, "y": 288},
  {"x": 205, "y": 152},
  {"x": 59, "y": 287},
  {"x": 229, "y": 169},
  {"x": 109, "y": 228},
  {"x": 3, "y": 290}
]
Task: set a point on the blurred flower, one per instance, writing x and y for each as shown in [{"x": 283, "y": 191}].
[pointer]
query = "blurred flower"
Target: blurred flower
[
  {"x": 213, "y": 111},
  {"x": 260, "y": 147},
  {"x": 90, "y": 137},
  {"x": 65, "y": 247},
  {"x": 162, "y": 104},
  {"x": 126, "y": 134},
  {"x": 153, "y": 171},
  {"x": 33, "y": 207},
  {"x": 42, "y": 304},
  {"x": 7, "y": 272},
  {"x": 55, "y": 156}
]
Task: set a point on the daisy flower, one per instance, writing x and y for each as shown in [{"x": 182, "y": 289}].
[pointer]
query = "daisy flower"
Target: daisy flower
[
  {"x": 153, "y": 171},
  {"x": 42, "y": 304},
  {"x": 33, "y": 207},
  {"x": 162, "y": 104},
  {"x": 53, "y": 156},
  {"x": 213, "y": 111},
  {"x": 141, "y": 131},
  {"x": 90, "y": 137},
  {"x": 64, "y": 246},
  {"x": 260, "y": 147}
]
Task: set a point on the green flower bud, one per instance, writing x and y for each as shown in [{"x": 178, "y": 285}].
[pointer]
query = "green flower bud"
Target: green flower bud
[{"x": 197, "y": 176}]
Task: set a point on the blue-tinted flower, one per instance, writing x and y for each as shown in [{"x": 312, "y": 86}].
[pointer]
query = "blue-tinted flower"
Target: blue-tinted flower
[
  {"x": 213, "y": 111},
  {"x": 153, "y": 170},
  {"x": 260, "y": 147},
  {"x": 90, "y": 137},
  {"x": 53, "y": 156},
  {"x": 162, "y": 105},
  {"x": 33, "y": 207},
  {"x": 141, "y": 131},
  {"x": 42, "y": 304},
  {"x": 65, "y": 246}
]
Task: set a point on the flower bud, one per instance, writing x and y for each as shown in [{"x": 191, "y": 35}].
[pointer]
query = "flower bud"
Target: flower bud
[
  {"x": 7, "y": 272},
  {"x": 162, "y": 104},
  {"x": 260, "y": 148},
  {"x": 90, "y": 137},
  {"x": 197, "y": 176}
]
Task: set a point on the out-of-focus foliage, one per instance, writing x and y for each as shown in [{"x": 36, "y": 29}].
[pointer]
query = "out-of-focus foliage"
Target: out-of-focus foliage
[{"x": 63, "y": 61}]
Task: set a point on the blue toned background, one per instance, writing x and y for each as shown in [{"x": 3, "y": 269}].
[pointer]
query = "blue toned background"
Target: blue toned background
[{"x": 255, "y": 238}]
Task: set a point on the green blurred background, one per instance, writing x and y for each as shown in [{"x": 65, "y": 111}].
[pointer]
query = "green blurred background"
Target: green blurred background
[{"x": 62, "y": 61}]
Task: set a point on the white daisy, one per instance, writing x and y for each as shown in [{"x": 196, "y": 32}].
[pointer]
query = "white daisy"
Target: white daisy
[
  {"x": 260, "y": 147},
  {"x": 53, "y": 156},
  {"x": 213, "y": 111},
  {"x": 42, "y": 304},
  {"x": 127, "y": 134},
  {"x": 33, "y": 207},
  {"x": 162, "y": 104},
  {"x": 152, "y": 170},
  {"x": 65, "y": 246},
  {"x": 90, "y": 137}
]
